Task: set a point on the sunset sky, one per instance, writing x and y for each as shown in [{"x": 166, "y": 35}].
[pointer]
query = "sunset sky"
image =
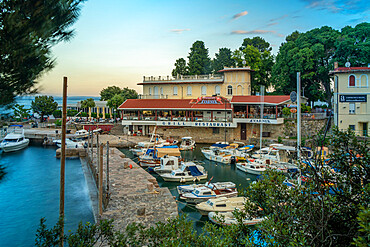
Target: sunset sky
[{"x": 117, "y": 42}]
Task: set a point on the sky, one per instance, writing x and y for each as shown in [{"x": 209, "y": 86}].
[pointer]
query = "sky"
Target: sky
[{"x": 117, "y": 42}]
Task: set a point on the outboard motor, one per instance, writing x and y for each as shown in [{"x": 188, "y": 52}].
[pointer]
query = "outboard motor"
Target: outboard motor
[{"x": 232, "y": 160}]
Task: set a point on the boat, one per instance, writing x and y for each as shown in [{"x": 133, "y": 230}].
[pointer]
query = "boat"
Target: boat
[
  {"x": 187, "y": 143},
  {"x": 153, "y": 155},
  {"x": 221, "y": 204},
  {"x": 188, "y": 172},
  {"x": 70, "y": 143},
  {"x": 81, "y": 133},
  {"x": 188, "y": 188},
  {"x": 251, "y": 167},
  {"x": 217, "y": 155},
  {"x": 228, "y": 218},
  {"x": 14, "y": 140},
  {"x": 167, "y": 165},
  {"x": 202, "y": 194}
]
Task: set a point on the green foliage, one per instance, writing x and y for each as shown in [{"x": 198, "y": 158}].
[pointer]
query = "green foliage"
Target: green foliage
[
  {"x": 44, "y": 105},
  {"x": 88, "y": 103},
  {"x": 93, "y": 114},
  {"x": 180, "y": 67},
  {"x": 363, "y": 240},
  {"x": 57, "y": 113},
  {"x": 280, "y": 140},
  {"x": 199, "y": 61},
  {"x": 258, "y": 42},
  {"x": 83, "y": 114},
  {"x": 222, "y": 59},
  {"x": 58, "y": 122},
  {"x": 21, "y": 112},
  {"x": 109, "y": 92},
  {"x": 29, "y": 30},
  {"x": 286, "y": 111},
  {"x": 71, "y": 112},
  {"x": 305, "y": 108},
  {"x": 128, "y": 93}
]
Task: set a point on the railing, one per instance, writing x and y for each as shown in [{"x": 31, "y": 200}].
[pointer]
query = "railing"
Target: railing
[
  {"x": 184, "y": 119},
  {"x": 147, "y": 96},
  {"x": 256, "y": 116},
  {"x": 319, "y": 115},
  {"x": 182, "y": 77}
]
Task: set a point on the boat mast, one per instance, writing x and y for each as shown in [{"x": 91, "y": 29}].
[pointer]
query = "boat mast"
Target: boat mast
[{"x": 262, "y": 96}]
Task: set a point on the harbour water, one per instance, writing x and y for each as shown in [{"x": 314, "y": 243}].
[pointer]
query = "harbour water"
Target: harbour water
[
  {"x": 30, "y": 191},
  {"x": 217, "y": 171}
]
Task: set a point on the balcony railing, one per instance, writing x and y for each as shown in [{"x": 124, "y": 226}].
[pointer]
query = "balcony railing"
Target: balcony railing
[
  {"x": 182, "y": 77},
  {"x": 183, "y": 119},
  {"x": 147, "y": 96}
]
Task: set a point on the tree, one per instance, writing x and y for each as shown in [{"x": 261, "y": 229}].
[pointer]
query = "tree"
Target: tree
[
  {"x": 88, "y": 103},
  {"x": 109, "y": 92},
  {"x": 128, "y": 93},
  {"x": 44, "y": 105},
  {"x": 222, "y": 59},
  {"x": 180, "y": 67},
  {"x": 28, "y": 31},
  {"x": 115, "y": 102},
  {"x": 260, "y": 43},
  {"x": 199, "y": 61},
  {"x": 20, "y": 111}
]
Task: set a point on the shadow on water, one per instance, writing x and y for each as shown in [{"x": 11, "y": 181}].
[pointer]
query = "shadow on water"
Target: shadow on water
[
  {"x": 30, "y": 191},
  {"x": 217, "y": 171}
]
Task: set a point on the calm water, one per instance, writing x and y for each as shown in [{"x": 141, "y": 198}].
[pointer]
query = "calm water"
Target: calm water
[
  {"x": 219, "y": 172},
  {"x": 30, "y": 191}
]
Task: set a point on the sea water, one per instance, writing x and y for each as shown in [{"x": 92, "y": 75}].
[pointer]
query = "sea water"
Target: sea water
[{"x": 30, "y": 191}]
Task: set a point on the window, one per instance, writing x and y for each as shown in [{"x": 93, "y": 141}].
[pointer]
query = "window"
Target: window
[
  {"x": 352, "y": 127},
  {"x": 215, "y": 130},
  {"x": 155, "y": 90},
  {"x": 352, "y": 81},
  {"x": 189, "y": 90},
  {"x": 352, "y": 108},
  {"x": 364, "y": 81},
  {"x": 161, "y": 90},
  {"x": 204, "y": 90},
  {"x": 150, "y": 91},
  {"x": 230, "y": 90},
  {"x": 175, "y": 90},
  {"x": 217, "y": 90}
]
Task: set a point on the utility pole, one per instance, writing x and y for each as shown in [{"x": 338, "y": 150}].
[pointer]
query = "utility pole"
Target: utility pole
[
  {"x": 63, "y": 160},
  {"x": 298, "y": 115},
  {"x": 262, "y": 97}
]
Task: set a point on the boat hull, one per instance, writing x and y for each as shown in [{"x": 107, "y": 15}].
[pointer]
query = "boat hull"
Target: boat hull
[
  {"x": 195, "y": 200},
  {"x": 249, "y": 170},
  {"x": 15, "y": 147},
  {"x": 184, "y": 179}
]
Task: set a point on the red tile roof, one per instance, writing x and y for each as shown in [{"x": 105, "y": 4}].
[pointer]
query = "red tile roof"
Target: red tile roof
[
  {"x": 185, "y": 104},
  {"x": 268, "y": 99},
  {"x": 350, "y": 69}
]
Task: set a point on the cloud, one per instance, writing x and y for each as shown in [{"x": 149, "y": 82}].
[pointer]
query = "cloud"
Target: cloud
[
  {"x": 180, "y": 30},
  {"x": 336, "y": 6},
  {"x": 257, "y": 32},
  {"x": 240, "y": 15},
  {"x": 279, "y": 18},
  {"x": 272, "y": 24}
]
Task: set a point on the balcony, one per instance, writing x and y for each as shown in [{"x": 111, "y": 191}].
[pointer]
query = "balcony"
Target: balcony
[
  {"x": 148, "y": 96},
  {"x": 182, "y": 78}
]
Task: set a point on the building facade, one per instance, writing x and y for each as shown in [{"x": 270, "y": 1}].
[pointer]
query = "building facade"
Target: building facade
[
  {"x": 351, "y": 104},
  {"x": 234, "y": 81}
]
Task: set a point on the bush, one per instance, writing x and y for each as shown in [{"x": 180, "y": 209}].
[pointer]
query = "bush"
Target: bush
[
  {"x": 58, "y": 122},
  {"x": 71, "y": 113},
  {"x": 57, "y": 113},
  {"x": 93, "y": 114},
  {"x": 286, "y": 111},
  {"x": 84, "y": 114},
  {"x": 280, "y": 140}
]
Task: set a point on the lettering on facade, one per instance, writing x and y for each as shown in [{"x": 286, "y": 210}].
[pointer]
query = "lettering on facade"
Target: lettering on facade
[
  {"x": 260, "y": 121},
  {"x": 353, "y": 98},
  {"x": 195, "y": 124}
]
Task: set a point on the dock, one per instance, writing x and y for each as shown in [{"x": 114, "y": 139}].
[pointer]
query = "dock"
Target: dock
[{"x": 130, "y": 194}]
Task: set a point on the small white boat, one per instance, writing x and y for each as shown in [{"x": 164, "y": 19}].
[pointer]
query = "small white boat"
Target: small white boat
[
  {"x": 202, "y": 194},
  {"x": 14, "y": 140},
  {"x": 153, "y": 155},
  {"x": 217, "y": 155},
  {"x": 188, "y": 188},
  {"x": 70, "y": 143},
  {"x": 187, "y": 143},
  {"x": 167, "y": 165},
  {"x": 221, "y": 204},
  {"x": 251, "y": 167},
  {"x": 81, "y": 133},
  {"x": 228, "y": 218},
  {"x": 189, "y": 172}
]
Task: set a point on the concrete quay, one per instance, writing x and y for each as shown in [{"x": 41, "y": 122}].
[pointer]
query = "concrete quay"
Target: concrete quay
[{"x": 133, "y": 194}]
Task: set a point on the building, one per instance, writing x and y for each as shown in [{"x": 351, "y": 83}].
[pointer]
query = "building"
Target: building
[
  {"x": 234, "y": 81},
  {"x": 351, "y": 105}
]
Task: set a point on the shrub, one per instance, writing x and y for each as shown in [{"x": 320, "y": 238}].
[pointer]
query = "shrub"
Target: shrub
[
  {"x": 57, "y": 113},
  {"x": 286, "y": 111}
]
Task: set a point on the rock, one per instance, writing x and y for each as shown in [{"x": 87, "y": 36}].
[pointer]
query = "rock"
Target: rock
[{"x": 141, "y": 212}]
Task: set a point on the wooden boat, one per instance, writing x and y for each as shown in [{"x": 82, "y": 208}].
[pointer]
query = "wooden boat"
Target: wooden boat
[
  {"x": 188, "y": 188},
  {"x": 153, "y": 155},
  {"x": 14, "y": 140},
  {"x": 189, "y": 172},
  {"x": 228, "y": 218},
  {"x": 221, "y": 204},
  {"x": 202, "y": 194},
  {"x": 187, "y": 143}
]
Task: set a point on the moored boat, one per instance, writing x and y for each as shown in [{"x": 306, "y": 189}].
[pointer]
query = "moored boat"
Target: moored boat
[
  {"x": 167, "y": 165},
  {"x": 202, "y": 194},
  {"x": 189, "y": 172},
  {"x": 251, "y": 167},
  {"x": 14, "y": 140},
  {"x": 187, "y": 143},
  {"x": 221, "y": 204},
  {"x": 70, "y": 143},
  {"x": 153, "y": 155},
  {"x": 228, "y": 218},
  {"x": 188, "y": 188},
  {"x": 217, "y": 155}
]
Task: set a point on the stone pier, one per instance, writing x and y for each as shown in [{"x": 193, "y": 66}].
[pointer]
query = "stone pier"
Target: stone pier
[{"x": 133, "y": 195}]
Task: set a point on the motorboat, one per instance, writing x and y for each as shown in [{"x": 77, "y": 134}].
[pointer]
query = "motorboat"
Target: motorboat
[
  {"x": 219, "y": 145},
  {"x": 14, "y": 140},
  {"x": 167, "y": 165},
  {"x": 269, "y": 152},
  {"x": 251, "y": 167},
  {"x": 189, "y": 172},
  {"x": 188, "y": 188},
  {"x": 71, "y": 143},
  {"x": 202, "y": 194},
  {"x": 81, "y": 133},
  {"x": 228, "y": 218},
  {"x": 221, "y": 204},
  {"x": 217, "y": 155},
  {"x": 153, "y": 155},
  {"x": 187, "y": 143}
]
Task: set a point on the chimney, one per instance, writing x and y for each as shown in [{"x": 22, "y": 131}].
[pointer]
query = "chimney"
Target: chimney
[{"x": 335, "y": 65}]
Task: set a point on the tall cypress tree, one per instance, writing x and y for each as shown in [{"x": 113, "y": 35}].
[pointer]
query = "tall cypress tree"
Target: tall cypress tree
[{"x": 199, "y": 61}]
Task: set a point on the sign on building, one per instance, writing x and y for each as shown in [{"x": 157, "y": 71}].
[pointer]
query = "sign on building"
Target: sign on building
[{"x": 353, "y": 98}]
